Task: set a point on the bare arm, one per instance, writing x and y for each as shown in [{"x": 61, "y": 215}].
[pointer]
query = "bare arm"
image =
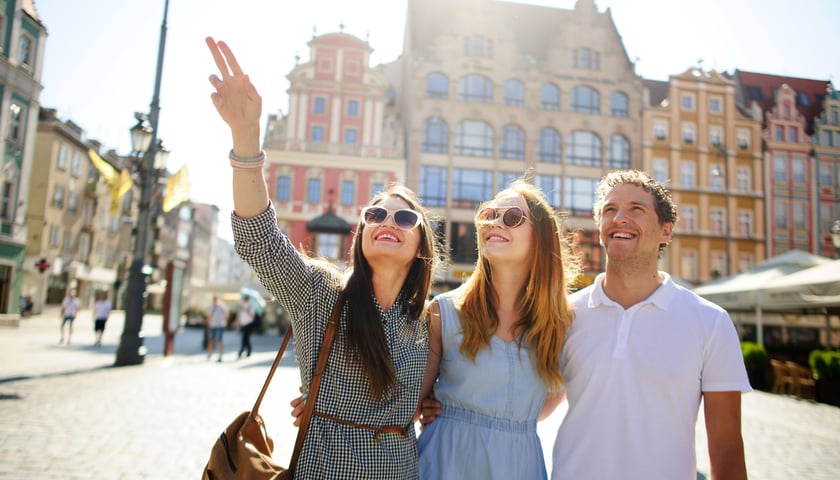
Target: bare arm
[
  {"x": 551, "y": 402},
  {"x": 723, "y": 428},
  {"x": 240, "y": 106},
  {"x": 435, "y": 354}
]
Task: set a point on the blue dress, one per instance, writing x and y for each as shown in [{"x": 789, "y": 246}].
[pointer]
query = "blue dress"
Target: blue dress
[{"x": 488, "y": 429}]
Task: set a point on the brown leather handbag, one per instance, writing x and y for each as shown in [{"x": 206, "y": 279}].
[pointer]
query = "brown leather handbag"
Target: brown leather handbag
[{"x": 243, "y": 450}]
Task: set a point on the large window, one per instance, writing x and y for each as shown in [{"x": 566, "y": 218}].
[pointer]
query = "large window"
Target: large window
[
  {"x": 320, "y": 105},
  {"x": 327, "y": 245},
  {"x": 585, "y": 149},
  {"x": 781, "y": 214},
  {"x": 313, "y": 190},
  {"x": 352, "y": 108},
  {"x": 470, "y": 187},
  {"x": 798, "y": 170},
  {"x": 619, "y": 156},
  {"x": 348, "y": 192},
  {"x": 463, "y": 243},
  {"x": 350, "y": 136},
  {"x": 780, "y": 167},
  {"x": 586, "y": 100},
  {"x": 433, "y": 186},
  {"x": 437, "y": 86},
  {"x": 475, "y": 89},
  {"x": 660, "y": 170},
  {"x": 15, "y": 119},
  {"x": 619, "y": 105},
  {"x": 514, "y": 93},
  {"x": 552, "y": 187},
  {"x": 688, "y": 174},
  {"x": 435, "y": 135},
  {"x": 513, "y": 142},
  {"x": 283, "y": 191},
  {"x": 317, "y": 134},
  {"x": 474, "y": 138},
  {"x": 550, "y": 96},
  {"x": 688, "y": 218},
  {"x": 579, "y": 196},
  {"x": 550, "y": 149},
  {"x": 504, "y": 179}
]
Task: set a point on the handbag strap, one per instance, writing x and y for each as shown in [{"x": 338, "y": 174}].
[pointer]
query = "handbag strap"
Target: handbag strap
[
  {"x": 286, "y": 338},
  {"x": 323, "y": 354}
]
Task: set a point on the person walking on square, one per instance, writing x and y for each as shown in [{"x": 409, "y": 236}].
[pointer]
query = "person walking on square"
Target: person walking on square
[
  {"x": 643, "y": 352},
  {"x": 69, "y": 308},
  {"x": 101, "y": 310},
  {"x": 245, "y": 320},
  {"x": 216, "y": 319}
]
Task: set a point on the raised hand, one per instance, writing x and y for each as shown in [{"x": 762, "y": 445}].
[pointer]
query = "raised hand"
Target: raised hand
[{"x": 236, "y": 99}]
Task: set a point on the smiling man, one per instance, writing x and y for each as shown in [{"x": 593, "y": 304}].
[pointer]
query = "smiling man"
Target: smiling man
[{"x": 642, "y": 353}]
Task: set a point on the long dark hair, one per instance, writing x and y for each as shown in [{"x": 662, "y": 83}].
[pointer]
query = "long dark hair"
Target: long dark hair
[{"x": 365, "y": 335}]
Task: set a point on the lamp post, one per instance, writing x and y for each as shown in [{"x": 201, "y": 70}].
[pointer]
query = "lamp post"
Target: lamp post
[
  {"x": 131, "y": 350},
  {"x": 835, "y": 237},
  {"x": 724, "y": 174}
]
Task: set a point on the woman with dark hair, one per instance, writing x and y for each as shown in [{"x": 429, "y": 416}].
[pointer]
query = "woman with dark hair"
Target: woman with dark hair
[
  {"x": 495, "y": 344},
  {"x": 362, "y": 426}
]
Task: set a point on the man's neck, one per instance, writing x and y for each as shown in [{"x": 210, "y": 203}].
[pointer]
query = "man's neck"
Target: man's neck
[{"x": 628, "y": 287}]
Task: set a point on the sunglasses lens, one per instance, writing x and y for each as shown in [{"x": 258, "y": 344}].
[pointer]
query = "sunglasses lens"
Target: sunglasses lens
[
  {"x": 375, "y": 215},
  {"x": 513, "y": 217},
  {"x": 487, "y": 215},
  {"x": 406, "y": 219}
]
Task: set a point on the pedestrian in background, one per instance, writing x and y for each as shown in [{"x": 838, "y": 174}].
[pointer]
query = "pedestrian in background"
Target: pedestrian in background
[
  {"x": 69, "y": 308},
  {"x": 245, "y": 320},
  {"x": 643, "y": 352},
  {"x": 216, "y": 319},
  {"x": 101, "y": 310}
]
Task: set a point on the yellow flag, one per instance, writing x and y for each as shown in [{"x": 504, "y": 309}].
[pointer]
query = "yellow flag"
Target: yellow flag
[
  {"x": 177, "y": 189},
  {"x": 119, "y": 182}
]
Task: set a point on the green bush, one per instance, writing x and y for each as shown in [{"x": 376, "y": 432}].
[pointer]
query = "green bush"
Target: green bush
[
  {"x": 755, "y": 356},
  {"x": 825, "y": 364}
]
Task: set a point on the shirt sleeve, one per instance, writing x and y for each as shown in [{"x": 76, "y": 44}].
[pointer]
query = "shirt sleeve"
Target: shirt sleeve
[{"x": 723, "y": 366}]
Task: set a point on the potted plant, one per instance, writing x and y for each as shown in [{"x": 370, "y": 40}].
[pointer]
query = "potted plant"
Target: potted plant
[{"x": 826, "y": 367}]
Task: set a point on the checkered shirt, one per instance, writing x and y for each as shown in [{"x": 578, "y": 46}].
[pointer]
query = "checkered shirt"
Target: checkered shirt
[{"x": 332, "y": 450}]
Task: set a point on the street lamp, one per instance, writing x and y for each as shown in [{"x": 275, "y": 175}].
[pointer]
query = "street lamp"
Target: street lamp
[
  {"x": 835, "y": 237},
  {"x": 131, "y": 350}
]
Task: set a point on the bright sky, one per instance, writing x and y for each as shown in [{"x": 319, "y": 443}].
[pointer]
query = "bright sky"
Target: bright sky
[{"x": 100, "y": 58}]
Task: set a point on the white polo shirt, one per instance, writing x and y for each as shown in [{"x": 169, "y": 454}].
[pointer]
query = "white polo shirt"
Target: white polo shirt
[{"x": 634, "y": 382}]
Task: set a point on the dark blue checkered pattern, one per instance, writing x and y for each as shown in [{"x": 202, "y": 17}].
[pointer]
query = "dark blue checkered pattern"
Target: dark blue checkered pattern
[{"x": 308, "y": 293}]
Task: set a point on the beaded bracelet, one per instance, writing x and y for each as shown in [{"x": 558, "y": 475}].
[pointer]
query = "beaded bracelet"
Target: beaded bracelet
[{"x": 247, "y": 163}]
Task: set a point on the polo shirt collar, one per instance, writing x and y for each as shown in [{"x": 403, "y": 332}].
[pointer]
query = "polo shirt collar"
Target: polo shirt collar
[{"x": 661, "y": 297}]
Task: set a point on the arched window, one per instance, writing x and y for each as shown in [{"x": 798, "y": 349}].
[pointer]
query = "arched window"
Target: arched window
[
  {"x": 586, "y": 100},
  {"x": 619, "y": 105},
  {"x": 550, "y": 96},
  {"x": 474, "y": 138},
  {"x": 514, "y": 93},
  {"x": 550, "y": 149},
  {"x": 435, "y": 135},
  {"x": 475, "y": 89},
  {"x": 585, "y": 149},
  {"x": 437, "y": 86},
  {"x": 619, "y": 155},
  {"x": 513, "y": 142}
]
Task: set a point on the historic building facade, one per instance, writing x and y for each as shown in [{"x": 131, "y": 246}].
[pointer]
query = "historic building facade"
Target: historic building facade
[
  {"x": 338, "y": 145},
  {"x": 22, "y": 41},
  {"x": 802, "y": 190},
  {"x": 493, "y": 91},
  {"x": 708, "y": 152}
]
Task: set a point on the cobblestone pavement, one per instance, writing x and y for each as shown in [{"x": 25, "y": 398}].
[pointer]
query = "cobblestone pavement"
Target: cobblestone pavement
[{"x": 66, "y": 413}]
